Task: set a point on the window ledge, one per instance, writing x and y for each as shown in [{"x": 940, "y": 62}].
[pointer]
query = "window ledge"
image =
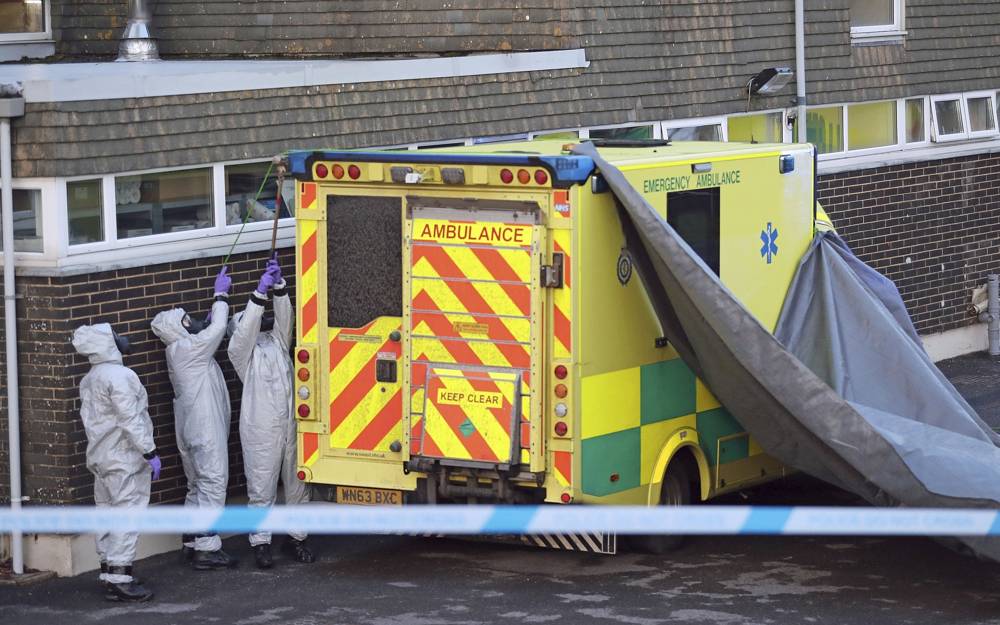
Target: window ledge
[
  {"x": 877, "y": 37},
  {"x": 905, "y": 155},
  {"x": 26, "y": 49}
]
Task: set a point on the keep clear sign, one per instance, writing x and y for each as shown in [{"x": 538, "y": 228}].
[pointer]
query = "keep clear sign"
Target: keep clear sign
[{"x": 692, "y": 181}]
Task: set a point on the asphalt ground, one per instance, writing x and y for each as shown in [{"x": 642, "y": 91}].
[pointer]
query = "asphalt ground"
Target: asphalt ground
[{"x": 725, "y": 580}]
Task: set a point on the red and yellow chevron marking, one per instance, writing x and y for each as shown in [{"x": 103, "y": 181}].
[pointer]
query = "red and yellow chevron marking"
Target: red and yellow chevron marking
[
  {"x": 563, "y": 464},
  {"x": 471, "y": 305},
  {"x": 562, "y": 299},
  {"x": 310, "y": 449},
  {"x": 308, "y": 276},
  {"x": 469, "y": 415},
  {"x": 362, "y": 416}
]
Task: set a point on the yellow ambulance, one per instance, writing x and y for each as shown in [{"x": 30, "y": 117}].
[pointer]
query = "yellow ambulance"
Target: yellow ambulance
[{"x": 470, "y": 327}]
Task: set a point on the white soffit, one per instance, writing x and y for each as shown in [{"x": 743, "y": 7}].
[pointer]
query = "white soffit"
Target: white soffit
[{"x": 68, "y": 82}]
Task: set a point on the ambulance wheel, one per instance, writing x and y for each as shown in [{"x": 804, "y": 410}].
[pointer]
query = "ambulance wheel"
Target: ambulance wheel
[{"x": 676, "y": 491}]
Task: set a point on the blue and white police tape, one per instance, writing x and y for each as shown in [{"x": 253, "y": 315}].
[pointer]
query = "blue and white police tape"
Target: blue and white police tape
[{"x": 483, "y": 519}]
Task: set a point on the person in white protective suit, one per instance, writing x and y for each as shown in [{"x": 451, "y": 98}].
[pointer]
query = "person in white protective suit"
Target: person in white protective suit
[
  {"x": 260, "y": 355},
  {"x": 120, "y": 450},
  {"x": 201, "y": 414}
]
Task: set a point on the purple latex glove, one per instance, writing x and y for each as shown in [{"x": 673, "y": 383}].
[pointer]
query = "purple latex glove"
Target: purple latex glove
[
  {"x": 155, "y": 464},
  {"x": 223, "y": 282},
  {"x": 267, "y": 280},
  {"x": 274, "y": 268}
]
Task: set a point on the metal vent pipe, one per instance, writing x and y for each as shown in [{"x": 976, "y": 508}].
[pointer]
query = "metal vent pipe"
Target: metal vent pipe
[{"x": 137, "y": 42}]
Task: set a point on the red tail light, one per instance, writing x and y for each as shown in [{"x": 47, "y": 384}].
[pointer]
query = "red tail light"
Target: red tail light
[
  {"x": 301, "y": 475},
  {"x": 566, "y": 498},
  {"x": 541, "y": 177},
  {"x": 354, "y": 172},
  {"x": 303, "y": 356},
  {"x": 506, "y": 176},
  {"x": 321, "y": 171},
  {"x": 561, "y": 428},
  {"x": 303, "y": 411},
  {"x": 561, "y": 372}
]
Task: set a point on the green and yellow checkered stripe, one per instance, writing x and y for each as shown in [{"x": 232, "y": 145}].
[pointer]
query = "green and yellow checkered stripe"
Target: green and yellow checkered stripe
[{"x": 627, "y": 416}]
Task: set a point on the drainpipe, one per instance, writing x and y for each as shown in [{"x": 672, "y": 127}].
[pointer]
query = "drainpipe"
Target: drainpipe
[
  {"x": 800, "y": 69},
  {"x": 992, "y": 314},
  {"x": 137, "y": 42},
  {"x": 11, "y": 105}
]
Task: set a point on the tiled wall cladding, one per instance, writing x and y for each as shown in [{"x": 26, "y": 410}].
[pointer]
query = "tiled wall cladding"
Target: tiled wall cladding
[
  {"x": 53, "y": 442},
  {"x": 931, "y": 227}
]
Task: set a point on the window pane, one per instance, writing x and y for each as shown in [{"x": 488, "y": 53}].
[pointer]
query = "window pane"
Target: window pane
[
  {"x": 764, "y": 128},
  {"x": 27, "y": 220},
  {"x": 171, "y": 201},
  {"x": 711, "y": 132},
  {"x": 871, "y": 12},
  {"x": 981, "y": 115},
  {"x": 21, "y": 16},
  {"x": 635, "y": 132},
  {"x": 949, "y": 117},
  {"x": 565, "y": 135},
  {"x": 915, "y": 130},
  {"x": 85, "y": 208},
  {"x": 825, "y": 129},
  {"x": 242, "y": 184},
  {"x": 871, "y": 125}
]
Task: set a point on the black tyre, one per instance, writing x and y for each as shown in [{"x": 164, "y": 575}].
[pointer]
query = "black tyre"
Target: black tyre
[{"x": 676, "y": 491}]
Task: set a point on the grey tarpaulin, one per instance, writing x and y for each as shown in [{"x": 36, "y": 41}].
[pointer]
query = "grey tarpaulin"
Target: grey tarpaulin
[{"x": 852, "y": 400}]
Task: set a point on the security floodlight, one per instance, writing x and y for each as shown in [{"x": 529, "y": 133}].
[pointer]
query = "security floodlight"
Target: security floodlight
[{"x": 769, "y": 81}]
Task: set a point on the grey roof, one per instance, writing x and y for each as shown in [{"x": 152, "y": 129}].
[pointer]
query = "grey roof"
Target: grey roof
[{"x": 650, "y": 61}]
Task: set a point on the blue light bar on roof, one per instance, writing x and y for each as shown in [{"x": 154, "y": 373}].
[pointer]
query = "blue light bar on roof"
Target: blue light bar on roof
[{"x": 564, "y": 170}]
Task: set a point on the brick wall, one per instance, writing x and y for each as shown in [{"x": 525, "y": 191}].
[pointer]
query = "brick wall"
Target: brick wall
[
  {"x": 931, "y": 227},
  {"x": 53, "y": 443}
]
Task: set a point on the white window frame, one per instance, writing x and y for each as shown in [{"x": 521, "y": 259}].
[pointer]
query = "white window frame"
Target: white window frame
[
  {"x": 219, "y": 200},
  {"x": 936, "y": 137},
  {"x": 786, "y": 131},
  {"x": 50, "y": 210},
  {"x": 883, "y": 32},
  {"x": 696, "y": 121},
  {"x": 981, "y": 134},
  {"x": 900, "y": 139},
  {"x": 901, "y": 123},
  {"x": 44, "y": 35},
  {"x": 657, "y": 133}
]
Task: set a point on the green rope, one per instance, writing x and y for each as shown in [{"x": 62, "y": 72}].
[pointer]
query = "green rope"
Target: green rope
[{"x": 246, "y": 218}]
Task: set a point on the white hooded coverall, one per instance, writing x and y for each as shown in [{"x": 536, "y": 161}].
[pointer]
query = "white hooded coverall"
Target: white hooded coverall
[
  {"x": 201, "y": 409},
  {"x": 267, "y": 423},
  {"x": 114, "y": 410}
]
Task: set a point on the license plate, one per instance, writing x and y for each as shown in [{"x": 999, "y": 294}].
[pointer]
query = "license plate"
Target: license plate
[{"x": 369, "y": 496}]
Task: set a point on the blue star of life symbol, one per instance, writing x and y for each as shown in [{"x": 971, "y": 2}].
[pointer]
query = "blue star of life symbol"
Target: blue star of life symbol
[{"x": 770, "y": 248}]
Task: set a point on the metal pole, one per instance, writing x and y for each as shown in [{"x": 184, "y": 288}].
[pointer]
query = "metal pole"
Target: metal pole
[
  {"x": 993, "y": 314},
  {"x": 800, "y": 70},
  {"x": 10, "y": 327}
]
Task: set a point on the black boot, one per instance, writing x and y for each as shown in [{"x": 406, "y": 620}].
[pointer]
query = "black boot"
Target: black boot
[
  {"x": 298, "y": 550},
  {"x": 208, "y": 560},
  {"x": 187, "y": 553},
  {"x": 262, "y": 555},
  {"x": 131, "y": 591}
]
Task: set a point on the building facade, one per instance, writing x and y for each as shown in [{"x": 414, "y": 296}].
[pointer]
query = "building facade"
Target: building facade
[{"x": 132, "y": 181}]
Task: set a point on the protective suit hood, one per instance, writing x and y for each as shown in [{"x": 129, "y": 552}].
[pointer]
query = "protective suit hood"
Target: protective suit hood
[
  {"x": 97, "y": 343},
  {"x": 168, "y": 327}
]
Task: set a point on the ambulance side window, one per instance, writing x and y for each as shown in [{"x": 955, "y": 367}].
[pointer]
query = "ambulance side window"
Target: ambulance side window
[
  {"x": 695, "y": 216},
  {"x": 365, "y": 259}
]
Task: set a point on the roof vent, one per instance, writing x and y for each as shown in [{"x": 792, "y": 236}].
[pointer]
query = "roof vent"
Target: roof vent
[{"x": 137, "y": 42}]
